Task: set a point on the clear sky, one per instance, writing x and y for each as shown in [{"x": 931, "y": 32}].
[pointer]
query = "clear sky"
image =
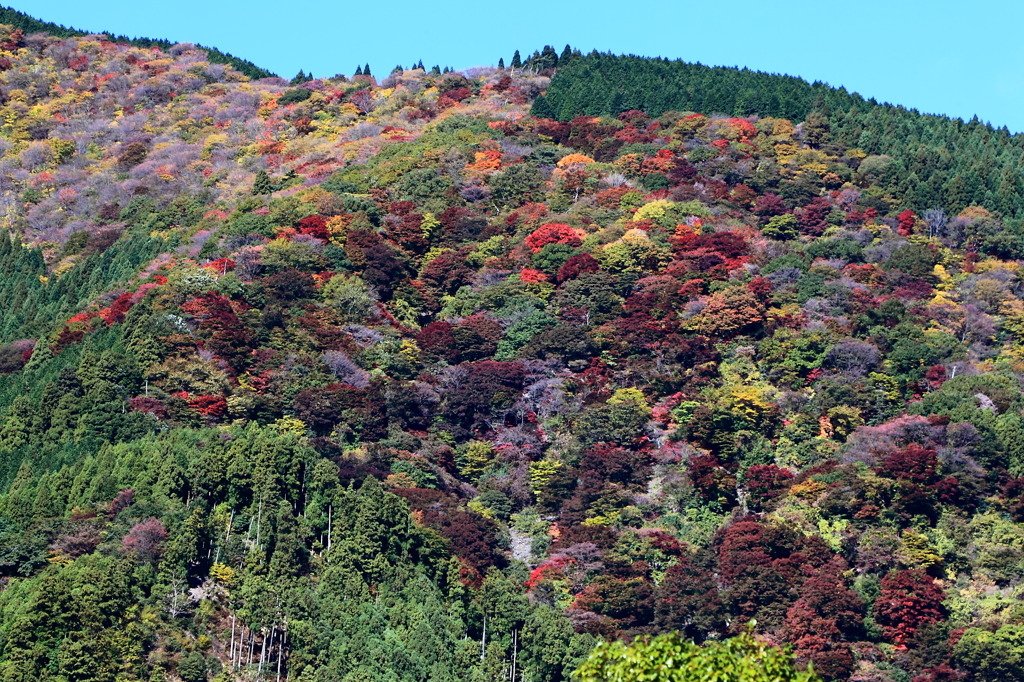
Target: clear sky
[{"x": 938, "y": 56}]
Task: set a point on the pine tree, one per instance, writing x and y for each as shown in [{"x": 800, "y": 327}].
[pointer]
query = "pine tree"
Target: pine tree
[
  {"x": 541, "y": 108},
  {"x": 262, "y": 184},
  {"x": 548, "y": 58},
  {"x": 501, "y": 63},
  {"x": 366, "y": 70},
  {"x": 359, "y": 71},
  {"x": 517, "y": 61}
]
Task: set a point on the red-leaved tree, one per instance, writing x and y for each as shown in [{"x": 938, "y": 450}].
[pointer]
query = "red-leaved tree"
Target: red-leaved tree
[
  {"x": 145, "y": 540},
  {"x": 552, "y": 233},
  {"x": 909, "y": 600}
]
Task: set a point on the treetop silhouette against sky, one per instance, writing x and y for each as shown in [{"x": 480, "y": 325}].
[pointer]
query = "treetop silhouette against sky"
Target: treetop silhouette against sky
[{"x": 942, "y": 59}]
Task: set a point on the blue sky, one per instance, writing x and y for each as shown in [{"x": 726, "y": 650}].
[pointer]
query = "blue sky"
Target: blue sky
[{"x": 940, "y": 56}]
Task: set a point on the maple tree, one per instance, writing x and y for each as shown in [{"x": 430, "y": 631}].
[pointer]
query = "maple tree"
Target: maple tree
[{"x": 908, "y": 600}]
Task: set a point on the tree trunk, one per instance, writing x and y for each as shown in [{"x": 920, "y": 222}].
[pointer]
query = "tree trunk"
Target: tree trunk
[
  {"x": 280, "y": 652},
  {"x": 263, "y": 652},
  {"x": 231, "y": 654},
  {"x": 239, "y": 649}
]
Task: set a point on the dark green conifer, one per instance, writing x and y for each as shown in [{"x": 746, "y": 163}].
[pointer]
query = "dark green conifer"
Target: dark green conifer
[
  {"x": 541, "y": 108},
  {"x": 548, "y": 58},
  {"x": 262, "y": 184}
]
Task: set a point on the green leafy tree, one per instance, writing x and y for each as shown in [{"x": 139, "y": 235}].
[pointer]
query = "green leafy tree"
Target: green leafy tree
[
  {"x": 781, "y": 227},
  {"x": 988, "y": 656},
  {"x": 670, "y": 658},
  {"x": 351, "y": 297},
  {"x": 194, "y": 668},
  {"x": 515, "y": 185}
]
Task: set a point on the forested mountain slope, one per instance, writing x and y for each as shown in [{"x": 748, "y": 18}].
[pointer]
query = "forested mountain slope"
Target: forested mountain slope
[
  {"x": 27, "y": 24},
  {"x": 929, "y": 161},
  {"x": 394, "y": 381}
]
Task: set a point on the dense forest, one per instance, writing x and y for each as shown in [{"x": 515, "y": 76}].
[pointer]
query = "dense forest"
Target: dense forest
[
  {"x": 394, "y": 380},
  {"x": 931, "y": 161}
]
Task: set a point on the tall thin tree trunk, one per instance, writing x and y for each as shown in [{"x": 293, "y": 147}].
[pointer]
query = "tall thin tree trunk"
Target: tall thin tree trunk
[
  {"x": 240, "y": 651},
  {"x": 515, "y": 641},
  {"x": 231, "y": 655},
  {"x": 263, "y": 651},
  {"x": 280, "y": 650},
  {"x": 259, "y": 520}
]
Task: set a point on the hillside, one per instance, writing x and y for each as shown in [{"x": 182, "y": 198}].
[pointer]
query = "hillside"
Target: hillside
[
  {"x": 358, "y": 380},
  {"x": 929, "y": 161},
  {"x": 27, "y": 24}
]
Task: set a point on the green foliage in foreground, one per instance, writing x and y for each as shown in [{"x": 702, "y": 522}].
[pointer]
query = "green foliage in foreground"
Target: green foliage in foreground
[{"x": 671, "y": 658}]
